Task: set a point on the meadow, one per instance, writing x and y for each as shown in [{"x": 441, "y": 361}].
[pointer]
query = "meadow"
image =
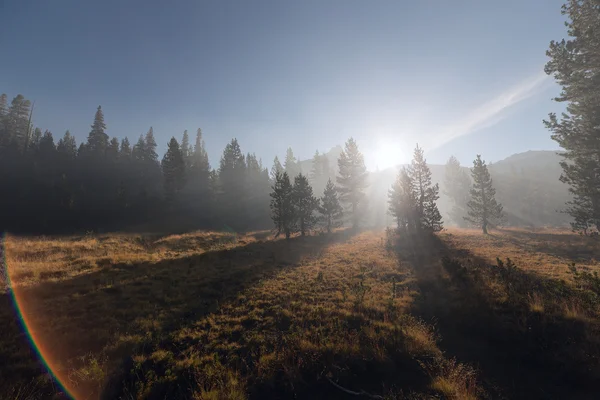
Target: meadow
[{"x": 373, "y": 314}]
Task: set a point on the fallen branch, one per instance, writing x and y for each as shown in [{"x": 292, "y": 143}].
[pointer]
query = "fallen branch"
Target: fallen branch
[{"x": 361, "y": 393}]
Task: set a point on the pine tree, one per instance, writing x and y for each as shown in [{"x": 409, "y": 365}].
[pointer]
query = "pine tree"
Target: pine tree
[
  {"x": 426, "y": 193},
  {"x": 173, "y": 167},
  {"x": 97, "y": 141},
  {"x": 139, "y": 150},
  {"x": 402, "y": 202},
  {"x": 150, "y": 154},
  {"x": 67, "y": 146},
  {"x": 305, "y": 204},
  {"x": 574, "y": 65},
  {"x": 352, "y": 180},
  {"x": 283, "y": 212},
  {"x": 330, "y": 208},
  {"x": 316, "y": 172},
  {"x": 112, "y": 151},
  {"x": 277, "y": 168},
  {"x": 200, "y": 157},
  {"x": 3, "y": 105},
  {"x": 483, "y": 208},
  {"x": 17, "y": 122},
  {"x": 186, "y": 151},
  {"x": 46, "y": 148},
  {"x": 457, "y": 186},
  {"x": 291, "y": 165},
  {"x": 36, "y": 137},
  {"x": 125, "y": 150}
]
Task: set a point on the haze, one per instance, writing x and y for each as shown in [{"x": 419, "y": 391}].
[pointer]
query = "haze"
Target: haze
[{"x": 306, "y": 74}]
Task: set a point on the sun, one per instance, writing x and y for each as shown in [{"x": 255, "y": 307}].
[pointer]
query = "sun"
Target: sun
[{"x": 388, "y": 153}]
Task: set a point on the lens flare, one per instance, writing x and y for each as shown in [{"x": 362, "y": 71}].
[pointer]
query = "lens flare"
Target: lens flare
[{"x": 22, "y": 308}]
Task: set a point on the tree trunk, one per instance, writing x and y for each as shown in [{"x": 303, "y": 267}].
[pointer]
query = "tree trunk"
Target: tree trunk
[
  {"x": 484, "y": 227},
  {"x": 287, "y": 233}
]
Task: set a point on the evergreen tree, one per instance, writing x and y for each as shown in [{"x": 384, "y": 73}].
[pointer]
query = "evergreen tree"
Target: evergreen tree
[
  {"x": 112, "y": 151},
  {"x": 330, "y": 208},
  {"x": 139, "y": 150},
  {"x": 125, "y": 150},
  {"x": 150, "y": 154},
  {"x": 200, "y": 157},
  {"x": 483, "y": 208},
  {"x": 232, "y": 185},
  {"x": 291, "y": 165},
  {"x": 352, "y": 180},
  {"x": 283, "y": 212},
  {"x": 305, "y": 204},
  {"x": 67, "y": 146},
  {"x": 173, "y": 167},
  {"x": 277, "y": 168},
  {"x": 402, "y": 202},
  {"x": 186, "y": 150},
  {"x": 97, "y": 141},
  {"x": 573, "y": 63},
  {"x": 17, "y": 122},
  {"x": 316, "y": 172},
  {"x": 46, "y": 148},
  {"x": 36, "y": 137},
  {"x": 3, "y": 105},
  {"x": 457, "y": 186},
  {"x": 426, "y": 193}
]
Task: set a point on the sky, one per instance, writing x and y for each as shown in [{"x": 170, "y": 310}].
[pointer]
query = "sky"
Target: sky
[{"x": 460, "y": 77}]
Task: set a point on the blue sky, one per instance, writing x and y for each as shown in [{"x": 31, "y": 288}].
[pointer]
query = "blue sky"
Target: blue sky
[{"x": 460, "y": 77}]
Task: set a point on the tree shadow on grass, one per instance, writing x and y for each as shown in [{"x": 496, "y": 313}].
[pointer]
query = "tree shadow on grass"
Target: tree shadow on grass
[
  {"x": 120, "y": 307},
  {"x": 570, "y": 246},
  {"x": 520, "y": 353}
]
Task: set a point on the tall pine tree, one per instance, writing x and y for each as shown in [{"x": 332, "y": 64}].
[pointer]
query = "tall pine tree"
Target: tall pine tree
[
  {"x": 330, "y": 208},
  {"x": 352, "y": 180},
  {"x": 426, "y": 193},
  {"x": 283, "y": 212},
  {"x": 483, "y": 210},
  {"x": 97, "y": 141},
  {"x": 574, "y": 64},
  {"x": 305, "y": 204},
  {"x": 173, "y": 168},
  {"x": 402, "y": 202}
]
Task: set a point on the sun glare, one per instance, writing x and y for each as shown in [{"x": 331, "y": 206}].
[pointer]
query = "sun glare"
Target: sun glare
[{"x": 389, "y": 153}]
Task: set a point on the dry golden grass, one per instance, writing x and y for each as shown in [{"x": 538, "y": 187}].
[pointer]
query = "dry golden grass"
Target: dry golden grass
[
  {"x": 545, "y": 251},
  {"x": 216, "y": 316}
]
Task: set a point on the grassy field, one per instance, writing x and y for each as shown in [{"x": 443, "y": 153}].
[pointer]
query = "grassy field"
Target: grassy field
[{"x": 211, "y": 315}]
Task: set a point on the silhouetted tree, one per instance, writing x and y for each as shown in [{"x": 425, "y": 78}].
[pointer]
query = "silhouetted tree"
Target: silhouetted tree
[
  {"x": 352, "y": 180},
  {"x": 173, "y": 167},
  {"x": 426, "y": 193},
  {"x": 186, "y": 150},
  {"x": 305, "y": 204},
  {"x": 330, "y": 208},
  {"x": 125, "y": 150},
  {"x": 574, "y": 65},
  {"x": 483, "y": 208},
  {"x": 402, "y": 202},
  {"x": 67, "y": 146},
  {"x": 283, "y": 212},
  {"x": 97, "y": 141}
]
